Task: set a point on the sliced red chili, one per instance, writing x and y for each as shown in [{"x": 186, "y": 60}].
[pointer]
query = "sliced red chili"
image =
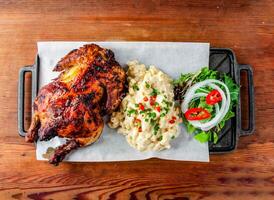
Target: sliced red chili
[
  {"x": 197, "y": 114},
  {"x": 152, "y": 100},
  {"x": 145, "y": 99},
  {"x": 158, "y": 108},
  {"x": 140, "y": 129},
  {"x": 137, "y": 120},
  {"x": 213, "y": 97},
  {"x": 141, "y": 106},
  {"x": 171, "y": 121}
]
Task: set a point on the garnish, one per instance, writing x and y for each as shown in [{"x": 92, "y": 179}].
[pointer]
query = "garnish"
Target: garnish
[
  {"x": 147, "y": 85},
  {"x": 156, "y": 129},
  {"x": 213, "y": 97},
  {"x": 152, "y": 115},
  {"x": 154, "y": 92},
  {"x": 160, "y": 138},
  {"x": 135, "y": 87},
  {"x": 172, "y": 121},
  {"x": 197, "y": 114},
  {"x": 141, "y": 107},
  {"x": 152, "y": 100},
  {"x": 163, "y": 114},
  {"x": 132, "y": 111},
  {"x": 158, "y": 108}
]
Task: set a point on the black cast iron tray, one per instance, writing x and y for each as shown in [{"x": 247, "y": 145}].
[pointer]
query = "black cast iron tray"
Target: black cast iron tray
[{"x": 221, "y": 59}]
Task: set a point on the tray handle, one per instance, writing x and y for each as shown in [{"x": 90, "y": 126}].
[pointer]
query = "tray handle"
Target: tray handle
[
  {"x": 251, "y": 102},
  {"x": 21, "y": 97}
]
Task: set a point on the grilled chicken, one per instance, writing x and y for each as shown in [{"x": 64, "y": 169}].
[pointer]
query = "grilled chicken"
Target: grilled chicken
[{"x": 90, "y": 85}]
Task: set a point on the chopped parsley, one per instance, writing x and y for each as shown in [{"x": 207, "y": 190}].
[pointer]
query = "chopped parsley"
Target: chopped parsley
[
  {"x": 160, "y": 138},
  {"x": 163, "y": 114},
  {"x": 147, "y": 85},
  {"x": 156, "y": 129},
  {"x": 142, "y": 112},
  {"x": 172, "y": 137},
  {"x": 165, "y": 110},
  {"x": 135, "y": 87},
  {"x": 132, "y": 111},
  {"x": 168, "y": 103},
  {"x": 152, "y": 122},
  {"x": 152, "y": 115},
  {"x": 154, "y": 92}
]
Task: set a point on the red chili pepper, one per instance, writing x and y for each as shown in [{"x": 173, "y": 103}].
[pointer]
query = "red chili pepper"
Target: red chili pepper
[
  {"x": 152, "y": 100},
  {"x": 141, "y": 106},
  {"x": 145, "y": 99},
  {"x": 158, "y": 108},
  {"x": 173, "y": 117},
  {"x": 197, "y": 114},
  {"x": 140, "y": 129},
  {"x": 137, "y": 120},
  {"x": 171, "y": 121},
  {"x": 213, "y": 97}
]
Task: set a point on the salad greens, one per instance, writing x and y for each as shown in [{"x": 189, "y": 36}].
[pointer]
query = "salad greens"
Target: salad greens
[{"x": 186, "y": 81}]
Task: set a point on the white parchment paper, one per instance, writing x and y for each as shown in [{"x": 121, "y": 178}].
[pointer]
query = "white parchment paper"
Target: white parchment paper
[{"x": 173, "y": 58}]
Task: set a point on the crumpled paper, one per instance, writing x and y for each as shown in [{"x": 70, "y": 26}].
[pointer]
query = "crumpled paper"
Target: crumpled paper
[{"x": 173, "y": 58}]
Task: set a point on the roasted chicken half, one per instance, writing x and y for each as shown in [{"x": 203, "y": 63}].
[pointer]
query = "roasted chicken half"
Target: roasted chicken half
[{"x": 90, "y": 85}]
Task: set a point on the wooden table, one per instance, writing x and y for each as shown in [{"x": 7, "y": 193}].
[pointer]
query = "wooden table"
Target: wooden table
[{"x": 245, "y": 26}]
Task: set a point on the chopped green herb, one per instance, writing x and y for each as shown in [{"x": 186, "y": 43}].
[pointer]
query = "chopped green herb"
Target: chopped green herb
[
  {"x": 135, "y": 87},
  {"x": 168, "y": 103},
  {"x": 172, "y": 137},
  {"x": 160, "y": 138},
  {"x": 166, "y": 109},
  {"x": 156, "y": 129},
  {"x": 147, "y": 85},
  {"x": 152, "y": 115},
  {"x": 163, "y": 114},
  {"x": 146, "y": 120},
  {"x": 132, "y": 111},
  {"x": 142, "y": 112},
  {"x": 152, "y": 122},
  {"x": 154, "y": 92}
]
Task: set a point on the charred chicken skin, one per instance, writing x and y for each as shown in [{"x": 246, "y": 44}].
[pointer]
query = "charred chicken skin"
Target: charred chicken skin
[{"x": 90, "y": 85}]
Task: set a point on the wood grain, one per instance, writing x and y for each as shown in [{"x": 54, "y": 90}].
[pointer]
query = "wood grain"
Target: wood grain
[{"x": 246, "y": 26}]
